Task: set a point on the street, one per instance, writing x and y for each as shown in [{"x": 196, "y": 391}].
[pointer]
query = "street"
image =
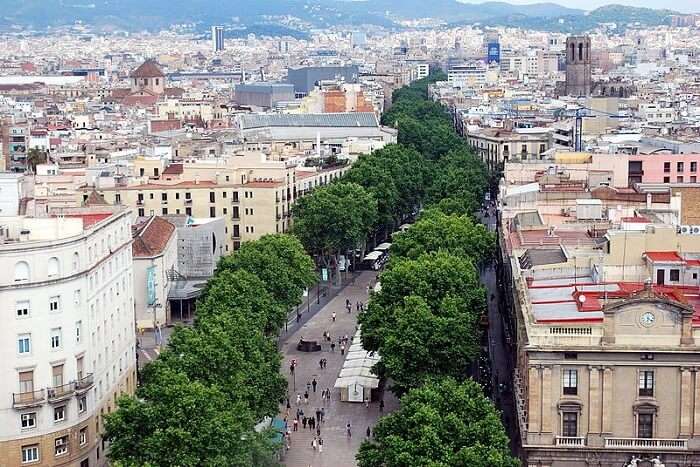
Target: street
[{"x": 339, "y": 450}]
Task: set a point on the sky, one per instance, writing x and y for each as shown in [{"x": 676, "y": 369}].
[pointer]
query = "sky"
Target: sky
[{"x": 685, "y": 6}]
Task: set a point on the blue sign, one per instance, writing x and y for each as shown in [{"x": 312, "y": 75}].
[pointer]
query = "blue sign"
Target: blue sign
[
  {"x": 151, "y": 286},
  {"x": 494, "y": 52}
]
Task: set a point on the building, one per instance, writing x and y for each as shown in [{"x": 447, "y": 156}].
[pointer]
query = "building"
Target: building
[
  {"x": 578, "y": 66},
  {"x": 495, "y": 147},
  {"x": 70, "y": 335},
  {"x": 304, "y": 79},
  {"x": 154, "y": 251},
  {"x": 217, "y": 38},
  {"x": 148, "y": 78},
  {"x": 469, "y": 75},
  {"x": 263, "y": 95}
]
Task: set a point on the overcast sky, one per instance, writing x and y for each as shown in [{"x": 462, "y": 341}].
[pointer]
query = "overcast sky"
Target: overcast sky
[{"x": 687, "y": 6}]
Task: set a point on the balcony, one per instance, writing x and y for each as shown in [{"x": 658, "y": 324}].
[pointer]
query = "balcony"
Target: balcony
[
  {"x": 570, "y": 441},
  {"x": 59, "y": 393},
  {"x": 22, "y": 400},
  {"x": 642, "y": 444},
  {"x": 84, "y": 383}
]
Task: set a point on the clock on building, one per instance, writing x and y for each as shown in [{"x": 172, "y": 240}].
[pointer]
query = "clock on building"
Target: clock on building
[{"x": 647, "y": 319}]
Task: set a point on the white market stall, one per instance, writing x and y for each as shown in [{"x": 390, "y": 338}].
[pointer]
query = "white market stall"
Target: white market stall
[{"x": 356, "y": 380}]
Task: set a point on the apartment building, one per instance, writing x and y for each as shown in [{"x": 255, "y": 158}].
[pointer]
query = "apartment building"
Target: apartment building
[
  {"x": 495, "y": 146},
  {"x": 70, "y": 343},
  {"x": 601, "y": 284}
]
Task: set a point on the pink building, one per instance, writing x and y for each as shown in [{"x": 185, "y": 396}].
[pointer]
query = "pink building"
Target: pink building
[{"x": 663, "y": 168}]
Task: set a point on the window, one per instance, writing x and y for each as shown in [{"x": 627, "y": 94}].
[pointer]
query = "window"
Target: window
[
  {"x": 21, "y": 271},
  {"x": 53, "y": 267},
  {"x": 28, "y": 420},
  {"x": 693, "y": 166},
  {"x": 164, "y": 197},
  {"x": 212, "y": 197},
  {"x": 83, "y": 436},
  {"x": 693, "y": 179},
  {"x": 667, "y": 179},
  {"x": 57, "y": 375},
  {"x": 165, "y": 211},
  {"x": 188, "y": 211},
  {"x": 155, "y": 172},
  {"x": 117, "y": 198},
  {"x": 54, "y": 304},
  {"x": 645, "y": 425},
  {"x": 150, "y": 195},
  {"x": 235, "y": 196},
  {"x": 212, "y": 211},
  {"x": 569, "y": 425},
  {"x": 224, "y": 194},
  {"x": 24, "y": 344},
  {"x": 679, "y": 166},
  {"x": 679, "y": 179},
  {"x": 61, "y": 445},
  {"x": 26, "y": 382},
  {"x": 76, "y": 261},
  {"x": 667, "y": 167},
  {"x": 570, "y": 382},
  {"x": 188, "y": 196},
  {"x": 82, "y": 404},
  {"x": 30, "y": 454},
  {"x": 646, "y": 383},
  {"x": 675, "y": 275},
  {"x": 22, "y": 308},
  {"x": 56, "y": 338},
  {"x": 142, "y": 212},
  {"x": 78, "y": 331},
  {"x": 59, "y": 413}
]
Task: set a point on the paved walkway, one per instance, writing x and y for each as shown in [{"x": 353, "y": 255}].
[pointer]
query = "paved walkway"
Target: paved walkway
[{"x": 338, "y": 449}]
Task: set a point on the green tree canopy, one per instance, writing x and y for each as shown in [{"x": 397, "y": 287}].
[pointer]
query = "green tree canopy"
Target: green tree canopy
[
  {"x": 179, "y": 421},
  {"x": 425, "y": 344},
  {"x": 441, "y": 424},
  {"x": 433, "y": 277},
  {"x": 436, "y": 231},
  {"x": 280, "y": 262}
]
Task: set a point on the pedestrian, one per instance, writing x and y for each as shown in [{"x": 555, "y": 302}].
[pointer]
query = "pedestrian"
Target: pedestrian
[
  {"x": 367, "y": 402},
  {"x": 381, "y": 405},
  {"x": 308, "y": 386},
  {"x": 320, "y": 364},
  {"x": 289, "y": 406},
  {"x": 312, "y": 423},
  {"x": 298, "y": 413},
  {"x": 369, "y": 289},
  {"x": 323, "y": 413},
  {"x": 295, "y": 425},
  {"x": 298, "y": 398},
  {"x": 328, "y": 394},
  {"x": 369, "y": 432},
  {"x": 318, "y": 415},
  {"x": 332, "y": 346},
  {"x": 342, "y": 349},
  {"x": 313, "y": 384},
  {"x": 306, "y": 398},
  {"x": 333, "y": 316},
  {"x": 318, "y": 430},
  {"x": 362, "y": 306},
  {"x": 357, "y": 306},
  {"x": 347, "y": 429},
  {"x": 313, "y": 444},
  {"x": 347, "y": 302},
  {"x": 349, "y": 307},
  {"x": 298, "y": 316},
  {"x": 304, "y": 421},
  {"x": 320, "y": 444}
]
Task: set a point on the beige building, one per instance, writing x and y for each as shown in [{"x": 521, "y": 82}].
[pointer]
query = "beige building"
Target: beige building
[{"x": 495, "y": 147}]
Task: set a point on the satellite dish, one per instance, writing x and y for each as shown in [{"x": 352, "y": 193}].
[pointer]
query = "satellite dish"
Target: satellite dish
[{"x": 582, "y": 298}]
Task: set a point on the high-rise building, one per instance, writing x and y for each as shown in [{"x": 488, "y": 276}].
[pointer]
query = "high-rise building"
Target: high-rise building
[
  {"x": 578, "y": 66},
  {"x": 493, "y": 48},
  {"x": 217, "y": 38},
  {"x": 71, "y": 345}
]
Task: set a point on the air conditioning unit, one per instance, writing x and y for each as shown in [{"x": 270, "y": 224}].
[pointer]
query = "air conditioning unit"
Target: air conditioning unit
[
  {"x": 684, "y": 230},
  {"x": 695, "y": 229}
]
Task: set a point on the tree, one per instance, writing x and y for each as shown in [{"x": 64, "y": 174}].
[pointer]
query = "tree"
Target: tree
[
  {"x": 425, "y": 343},
  {"x": 35, "y": 157},
  {"x": 179, "y": 421},
  {"x": 280, "y": 262},
  {"x": 372, "y": 172},
  {"x": 461, "y": 177},
  {"x": 433, "y": 277},
  {"x": 436, "y": 231},
  {"x": 334, "y": 219},
  {"x": 442, "y": 424}
]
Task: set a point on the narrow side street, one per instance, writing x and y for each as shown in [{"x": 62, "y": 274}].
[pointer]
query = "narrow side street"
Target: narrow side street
[{"x": 339, "y": 450}]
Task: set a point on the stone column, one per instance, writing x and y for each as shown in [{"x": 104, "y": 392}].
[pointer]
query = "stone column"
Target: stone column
[
  {"x": 686, "y": 402},
  {"x": 547, "y": 399},
  {"x": 534, "y": 404},
  {"x": 594, "y": 401},
  {"x": 696, "y": 411},
  {"x": 607, "y": 412}
]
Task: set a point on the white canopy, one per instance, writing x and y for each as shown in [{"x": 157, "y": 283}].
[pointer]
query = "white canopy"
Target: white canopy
[{"x": 383, "y": 247}]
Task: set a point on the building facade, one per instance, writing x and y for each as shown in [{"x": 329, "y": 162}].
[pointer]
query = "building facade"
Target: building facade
[
  {"x": 69, "y": 335},
  {"x": 578, "y": 66}
]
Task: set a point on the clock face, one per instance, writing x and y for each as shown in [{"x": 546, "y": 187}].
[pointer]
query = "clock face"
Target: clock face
[{"x": 647, "y": 319}]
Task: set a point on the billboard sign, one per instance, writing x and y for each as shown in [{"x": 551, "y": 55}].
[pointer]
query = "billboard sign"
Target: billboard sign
[{"x": 151, "y": 286}]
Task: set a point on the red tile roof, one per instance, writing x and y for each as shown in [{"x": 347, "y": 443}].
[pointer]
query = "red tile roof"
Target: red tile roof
[
  {"x": 91, "y": 219},
  {"x": 639, "y": 220},
  {"x": 152, "y": 238},
  {"x": 173, "y": 169},
  {"x": 663, "y": 257},
  {"x": 148, "y": 69}
]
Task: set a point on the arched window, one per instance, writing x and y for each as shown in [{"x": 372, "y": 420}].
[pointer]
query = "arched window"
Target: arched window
[
  {"x": 580, "y": 51},
  {"x": 76, "y": 261},
  {"x": 573, "y": 53},
  {"x": 21, "y": 271},
  {"x": 54, "y": 267}
]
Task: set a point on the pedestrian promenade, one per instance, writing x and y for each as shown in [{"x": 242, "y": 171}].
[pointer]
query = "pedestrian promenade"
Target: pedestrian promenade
[{"x": 339, "y": 450}]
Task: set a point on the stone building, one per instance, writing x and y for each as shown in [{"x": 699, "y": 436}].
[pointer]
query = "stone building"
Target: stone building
[{"x": 578, "y": 66}]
